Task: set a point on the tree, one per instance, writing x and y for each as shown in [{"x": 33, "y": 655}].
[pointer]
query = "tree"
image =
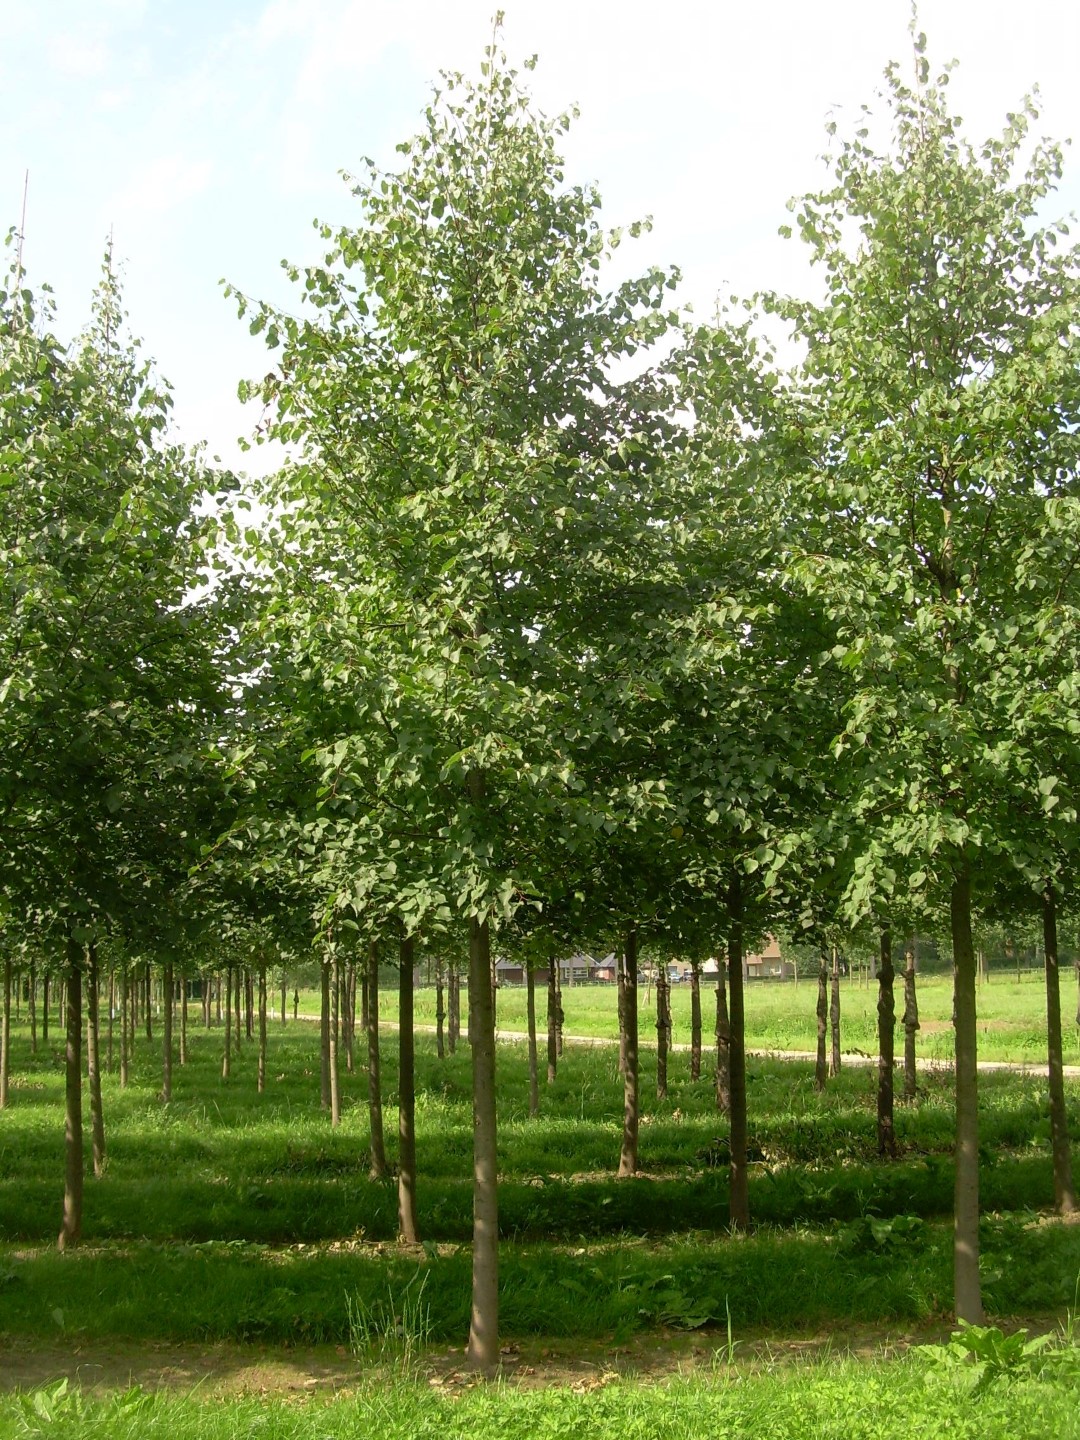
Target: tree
[
  {"x": 466, "y": 453},
  {"x": 936, "y": 407}
]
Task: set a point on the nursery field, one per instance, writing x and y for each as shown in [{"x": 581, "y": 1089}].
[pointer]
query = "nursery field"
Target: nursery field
[
  {"x": 229, "y": 1218},
  {"x": 780, "y": 1016}
]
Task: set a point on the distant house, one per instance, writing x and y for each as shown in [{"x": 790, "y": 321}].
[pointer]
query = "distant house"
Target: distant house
[
  {"x": 576, "y": 969},
  {"x": 768, "y": 965}
]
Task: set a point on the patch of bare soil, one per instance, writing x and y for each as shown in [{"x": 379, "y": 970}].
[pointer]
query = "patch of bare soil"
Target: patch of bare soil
[{"x": 230, "y": 1369}]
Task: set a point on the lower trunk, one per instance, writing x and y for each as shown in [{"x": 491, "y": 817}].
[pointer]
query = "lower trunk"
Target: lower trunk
[
  {"x": 628, "y": 1157},
  {"x": 534, "y": 1079},
  {"x": 148, "y": 982},
  {"x": 560, "y": 1014},
  {"x": 249, "y": 1004},
  {"x": 552, "y": 1036},
  {"x": 620, "y": 1004},
  {"x": 408, "y": 1230},
  {"x": 71, "y": 1225},
  {"x": 723, "y": 1040},
  {"x": 112, "y": 1010},
  {"x": 226, "y": 1063},
  {"x": 453, "y": 1004},
  {"x": 238, "y": 1005},
  {"x": 663, "y": 1030},
  {"x": 483, "y": 1348},
  {"x": 821, "y": 1068},
  {"x": 324, "y": 1035},
  {"x": 166, "y": 1032},
  {"x": 967, "y": 1290},
  {"x": 5, "y": 1037},
  {"x": 911, "y": 1022},
  {"x": 1064, "y": 1194},
  {"x": 440, "y": 1010},
  {"x": 740, "y": 1194},
  {"x": 695, "y": 1022},
  {"x": 834, "y": 1014},
  {"x": 45, "y": 1005},
  {"x": 125, "y": 1029},
  {"x": 348, "y": 1013},
  {"x": 33, "y": 1008},
  {"x": 886, "y": 1024},
  {"x": 332, "y": 971},
  {"x": 284, "y": 997},
  {"x": 377, "y": 1145},
  {"x": 183, "y": 1019},
  {"x": 261, "y": 1082}
]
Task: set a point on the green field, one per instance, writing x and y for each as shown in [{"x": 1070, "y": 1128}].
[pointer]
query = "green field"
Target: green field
[{"x": 230, "y": 1218}]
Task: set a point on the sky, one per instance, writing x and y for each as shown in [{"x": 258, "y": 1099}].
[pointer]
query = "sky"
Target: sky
[{"x": 207, "y": 135}]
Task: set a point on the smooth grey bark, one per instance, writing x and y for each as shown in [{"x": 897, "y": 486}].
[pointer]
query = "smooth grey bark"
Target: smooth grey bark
[
  {"x": 408, "y": 1227},
  {"x": 552, "y": 1027},
  {"x": 261, "y": 1080},
  {"x": 695, "y": 1021},
  {"x": 482, "y": 1352},
  {"x": 5, "y": 1036},
  {"x": 125, "y": 1028},
  {"x": 530, "y": 1006},
  {"x": 723, "y": 1040},
  {"x": 333, "y": 1031},
  {"x": 740, "y": 1194},
  {"x": 377, "y": 1143},
  {"x": 834, "y": 1014},
  {"x": 440, "y": 1010},
  {"x": 821, "y": 1067},
  {"x": 911, "y": 1023},
  {"x": 453, "y": 1001},
  {"x": 663, "y": 1030},
  {"x": 886, "y": 1018},
  {"x": 226, "y": 1061},
  {"x": 71, "y": 1223},
  {"x": 966, "y": 1284},
  {"x": 628, "y": 1155},
  {"x": 1064, "y": 1192},
  {"x": 167, "y": 1032},
  {"x": 324, "y": 1033}
]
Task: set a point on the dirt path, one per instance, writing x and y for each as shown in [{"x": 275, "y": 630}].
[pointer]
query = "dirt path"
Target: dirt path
[{"x": 230, "y": 1369}]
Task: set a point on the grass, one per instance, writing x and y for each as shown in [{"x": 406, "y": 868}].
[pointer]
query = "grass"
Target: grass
[
  {"x": 840, "y": 1399},
  {"x": 259, "y": 1223}
]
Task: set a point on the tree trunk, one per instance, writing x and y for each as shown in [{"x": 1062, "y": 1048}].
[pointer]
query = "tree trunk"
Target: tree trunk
[
  {"x": 620, "y": 1003},
  {"x": 695, "y": 1021},
  {"x": 333, "y": 982},
  {"x": 249, "y": 1003},
  {"x": 560, "y": 1013},
  {"x": 226, "y": 1063},
  {"x": 238, "y": 1006},
  {"x": 453, "y": 1019},
  {"x": 483, "y": 1348},
  {"x": 663, "y": 1029},
  {"x": 261, "y": 1082},
  {"x": 71, "y": 1225},
  {"x": 348, "y": 1014},
  {"x": 723, "y": 1040},
  {"x": 834, "y": 1016},
  {"x": 125, "y": 1032},
  {"x": 284, "y": 996},
  {"x": 886, "y": 1016},
  {"x": 628, "y": 1157},
  {"x": 968, "y": 1293},
  {"x": 552, "y": 1026},
  {"x": 148, "y": 1018},
  {"x": 375, "y": 1118},
  {"x": 911, "y": 1022},
  {"x": 33, "y": 1008},
  {"x": 534, "y": 1079},
  {"x": 408, "y": 1229},
  {"x": 5, "y": 1036},
  {"x": 1064, "y": 1194},
  {"x": 821, "y": 1068},
  {"x": 183, "y": 1018},
  {"x": 112, "y": 1007},
  {"x": 166, "y": 1032},
  {"x": 45, "y": 1005},
  {"x": 740, "y": 1194},
  {"x": 440, "y": 1010},
  {"x": 324, "y": 1034}
]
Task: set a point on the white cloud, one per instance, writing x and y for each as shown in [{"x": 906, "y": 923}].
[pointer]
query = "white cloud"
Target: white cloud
[
  {"x": 167, "y": 182},
  {"x": 78, "y": 55}
]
